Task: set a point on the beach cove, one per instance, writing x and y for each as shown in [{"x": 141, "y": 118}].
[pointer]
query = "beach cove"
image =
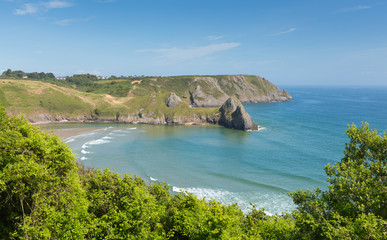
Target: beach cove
[{"x": 299, "y": 138}]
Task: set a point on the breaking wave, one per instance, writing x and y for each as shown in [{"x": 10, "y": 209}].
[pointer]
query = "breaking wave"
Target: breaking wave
[{"x": 271, "y": 202}]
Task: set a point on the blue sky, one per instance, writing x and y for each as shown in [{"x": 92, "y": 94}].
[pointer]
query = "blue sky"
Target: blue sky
[{"x": 326, "y": 42}]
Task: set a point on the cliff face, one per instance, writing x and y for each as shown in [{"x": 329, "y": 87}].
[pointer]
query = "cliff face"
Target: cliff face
[
  {"x": 217, "y": 90},
  {"x": 230, "y": 115}
]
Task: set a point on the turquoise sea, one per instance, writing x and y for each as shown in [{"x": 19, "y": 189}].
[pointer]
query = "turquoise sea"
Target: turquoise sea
[{"x": 298, "y": 139}]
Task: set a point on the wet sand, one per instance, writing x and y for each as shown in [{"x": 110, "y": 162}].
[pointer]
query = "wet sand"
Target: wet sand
[{"x": 66, "y": 133}]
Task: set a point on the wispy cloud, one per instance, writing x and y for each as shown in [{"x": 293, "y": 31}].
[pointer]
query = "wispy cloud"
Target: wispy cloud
[
  {"x": 284, "y": 32},
  {"x": 353, "y": 9},
  {"x": 181, "y": 54},
  {"x": 213, "y": 38},
  {"x": 65, "y": 22},
  {"x": 27, "y": 8},
  {"x": 33, "y": 8},
  {"x": 56, "y": 4}
]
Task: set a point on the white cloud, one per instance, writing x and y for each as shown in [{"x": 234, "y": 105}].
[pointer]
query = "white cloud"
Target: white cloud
[
  {"x": 285, "y": 32},
  {"x": 27, "y": 8},
  {"x": 32, "y": 8},
  {"x": 353, "y": 9},
  {"x": 56, "y": 4},
  {"x": 181, "y": 54},
  {"x": 213, "y": 38}
]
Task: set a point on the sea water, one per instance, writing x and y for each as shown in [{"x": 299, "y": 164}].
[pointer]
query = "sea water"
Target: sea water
[{"x": 259, "y": 168}]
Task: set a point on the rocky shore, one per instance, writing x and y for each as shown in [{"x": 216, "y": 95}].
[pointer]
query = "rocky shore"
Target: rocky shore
[{"x": 231, "y": 115}]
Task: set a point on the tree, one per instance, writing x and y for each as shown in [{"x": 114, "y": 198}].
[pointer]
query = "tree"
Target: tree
[
  {"x": 41, "y": 196},
  {"x": 8, "y": 72},
  {"x": 356, "y": 202}
]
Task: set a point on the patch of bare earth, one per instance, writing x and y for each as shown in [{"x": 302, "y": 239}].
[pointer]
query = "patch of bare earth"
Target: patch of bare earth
[{"x": 114, "y": 100}]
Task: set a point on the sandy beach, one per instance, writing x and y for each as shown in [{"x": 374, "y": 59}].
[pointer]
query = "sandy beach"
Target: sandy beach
[{"x": 66, "y": 133}]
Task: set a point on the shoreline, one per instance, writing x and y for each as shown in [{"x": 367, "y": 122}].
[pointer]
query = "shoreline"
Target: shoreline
[
  {"x": 64, "y": 133},
  {"x": 68, "y": 132}
]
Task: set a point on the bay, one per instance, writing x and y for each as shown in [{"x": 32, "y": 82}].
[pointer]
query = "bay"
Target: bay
[{"x": 298, "y": 139}]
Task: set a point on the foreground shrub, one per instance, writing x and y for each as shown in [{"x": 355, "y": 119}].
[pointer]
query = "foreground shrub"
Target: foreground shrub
[
  {"x": 40, "y": 192},
  {"x": 45, "y": 194}
]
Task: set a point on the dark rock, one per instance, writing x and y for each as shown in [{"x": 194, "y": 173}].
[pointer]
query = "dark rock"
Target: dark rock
[
  {"x": 172, "y": 100},
  {"x": 233, "y": 115}
]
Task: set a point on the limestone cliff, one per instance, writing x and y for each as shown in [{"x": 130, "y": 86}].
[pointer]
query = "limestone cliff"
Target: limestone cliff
[
  {"x": 233, "y": 115},
  {"x": 214, "y": 91}
]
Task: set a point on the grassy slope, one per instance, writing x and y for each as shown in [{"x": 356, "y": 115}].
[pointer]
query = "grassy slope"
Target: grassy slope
[
  {"x": 34, "y": 97},
  {"x": 147, "y": 95}
]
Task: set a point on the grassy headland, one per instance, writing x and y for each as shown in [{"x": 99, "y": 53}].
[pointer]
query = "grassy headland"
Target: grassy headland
[{"x": 131, "y": 99}]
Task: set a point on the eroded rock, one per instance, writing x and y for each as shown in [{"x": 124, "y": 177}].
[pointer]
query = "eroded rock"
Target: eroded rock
[
  {"x": 173, "y": 100},
  {"x": 233, "y": 115}
]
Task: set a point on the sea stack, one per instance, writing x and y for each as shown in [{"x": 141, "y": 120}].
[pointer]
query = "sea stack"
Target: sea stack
[{"x": 233, "y": 115}]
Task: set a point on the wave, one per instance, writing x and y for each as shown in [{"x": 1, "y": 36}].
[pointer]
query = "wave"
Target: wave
[
  {"x": 250, "y": 182},
  {"x": 272, "y": 203},
  {"x": 176, "y": 189},
  {"x": 97, "y": 142},
  {"x": 85, "y": 152},
  {"x": 83, "y": 158},
  {"x": 69, "y": 140},
  {"x": 107, "y": 137},
  {"x": 153, "y": 179}
]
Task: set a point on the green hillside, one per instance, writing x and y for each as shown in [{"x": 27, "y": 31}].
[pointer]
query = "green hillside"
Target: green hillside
[{"x": 130, "y": 99}]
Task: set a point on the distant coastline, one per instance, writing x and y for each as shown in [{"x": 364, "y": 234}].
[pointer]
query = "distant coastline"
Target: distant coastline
[{"x": 178, "y": 100}]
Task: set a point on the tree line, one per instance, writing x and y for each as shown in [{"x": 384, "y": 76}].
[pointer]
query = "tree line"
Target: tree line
[
  {"x": 46, "y": 194},
  {"x": 18, "y": 74}
]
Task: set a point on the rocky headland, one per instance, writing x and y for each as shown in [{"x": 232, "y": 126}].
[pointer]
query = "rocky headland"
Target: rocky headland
[{"x": 181, "y": 100}]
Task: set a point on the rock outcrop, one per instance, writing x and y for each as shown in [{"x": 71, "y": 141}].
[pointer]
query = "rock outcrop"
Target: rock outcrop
[
  {"x": 233, "y": 115},
  {"x": 173, "y": 100},
  {"x": 214, "y": 91}
]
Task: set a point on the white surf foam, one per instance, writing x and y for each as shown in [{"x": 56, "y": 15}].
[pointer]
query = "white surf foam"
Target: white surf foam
[
  {"x": 153, "y": 179},
  {"x": 118, "y": 131},
  {"x": 107, "y": 137},
  {"x": 69, "y": 140},
  {"x": 83, "y": 158},
  {"x": 271, "y": 202},
  {"x": 85, "y": 152},
  {"x": 176, "y": 189},
  {"x": 98, "y": 142}
]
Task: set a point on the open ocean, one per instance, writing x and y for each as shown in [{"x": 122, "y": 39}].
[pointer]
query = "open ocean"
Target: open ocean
[{"x": 299, "y": 138}]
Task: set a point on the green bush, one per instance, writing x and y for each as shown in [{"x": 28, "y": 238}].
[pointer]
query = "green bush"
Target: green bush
[
  {"x": 355, "y": 206},
  {"x": 41, "y": 196},
  {"x": 45, "y": 194}
]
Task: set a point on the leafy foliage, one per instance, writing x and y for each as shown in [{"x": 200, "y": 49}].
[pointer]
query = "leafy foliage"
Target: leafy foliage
[
  {"x": 356, "y": 204},
  {"x": 20, "y": 74},
  {"x": 41, "y": 196},
  {"x": 45, "y": 194}
]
